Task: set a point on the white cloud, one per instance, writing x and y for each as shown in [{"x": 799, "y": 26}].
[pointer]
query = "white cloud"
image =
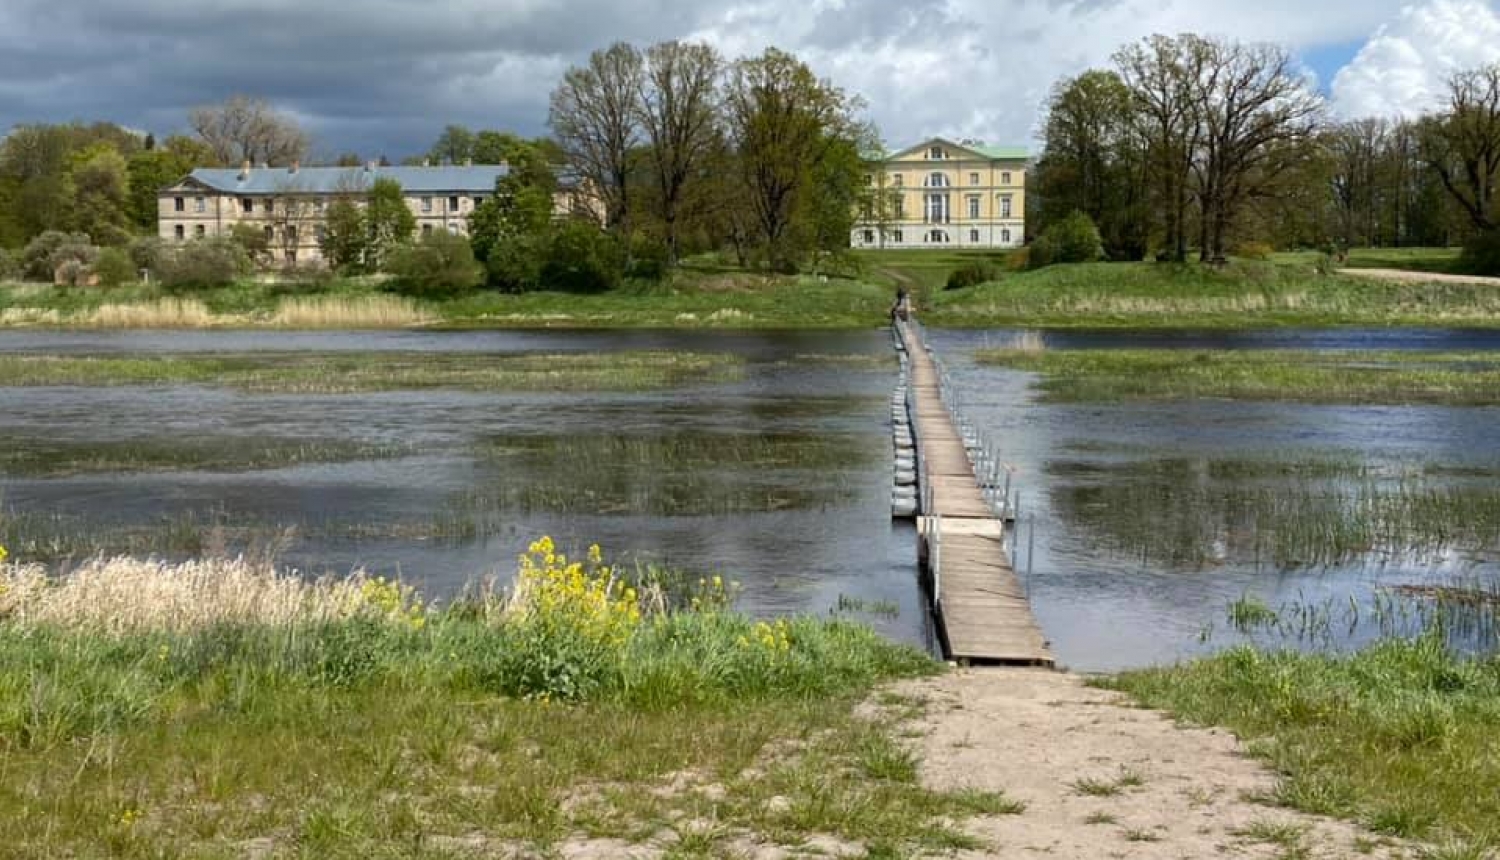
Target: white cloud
[{"x": 1402, "y": 70}]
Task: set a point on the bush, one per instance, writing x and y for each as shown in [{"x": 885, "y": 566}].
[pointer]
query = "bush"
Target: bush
[
  {"x": 439, "y": 264},
  {"x": 147, "y": 253},
  {"x": 52, "y": 248},
  {"x": 971, "y": 275},
  {"x": 115, "y": 268},
  {"x": 204, "y": 263},
  {"x": 252, "y": 239},
  {"x": 1481, "y": 255},
  {"x": 581, "y": 259},
  {"x": 10, "y": 267},
  {"x": 1074, "y": 239},
  {"x": 648, "y": 261}
]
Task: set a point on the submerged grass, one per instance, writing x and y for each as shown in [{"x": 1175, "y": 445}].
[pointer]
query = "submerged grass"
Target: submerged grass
[
  {"x": 1091, "y": 376},
  {"x": 223, "y": 708},
  {"x": 32, "y": 457},
  {"x": 1399, "y": 736},
  {"x": 354, "y": 372},
  {"x": 1194, "y": 513}
]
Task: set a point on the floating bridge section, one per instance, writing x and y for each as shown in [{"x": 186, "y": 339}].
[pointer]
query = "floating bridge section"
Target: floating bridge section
[{"x": 963, "y": 507}]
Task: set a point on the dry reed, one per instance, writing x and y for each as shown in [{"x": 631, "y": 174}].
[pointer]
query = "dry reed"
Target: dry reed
[
  {"x": 126, "y": 595},
  {"x": 161, "y": 313},
  {"x": 333, "y": 312}
]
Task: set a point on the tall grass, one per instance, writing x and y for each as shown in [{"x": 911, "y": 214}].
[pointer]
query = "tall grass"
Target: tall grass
[{"x": 349, "y": 312}]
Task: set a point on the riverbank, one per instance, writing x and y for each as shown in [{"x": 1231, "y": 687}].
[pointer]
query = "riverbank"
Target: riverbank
[{"x": 1284, "y": 292}]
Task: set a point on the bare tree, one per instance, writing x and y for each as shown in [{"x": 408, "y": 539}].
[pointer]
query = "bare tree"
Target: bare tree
[
  {"x": 291, "y": 215},
  {"x": 595, "y": 116},
  {"x": 244, "y": 128},
  {"x": 679, "y": 109},
  {"x": 1256, "y": 112},
  {"x": 1463, "y": 146},
  {"x": 1356, "y": 150}
]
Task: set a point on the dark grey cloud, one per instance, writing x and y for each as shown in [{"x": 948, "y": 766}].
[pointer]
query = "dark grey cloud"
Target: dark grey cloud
[{"x": 377, "y": 76}]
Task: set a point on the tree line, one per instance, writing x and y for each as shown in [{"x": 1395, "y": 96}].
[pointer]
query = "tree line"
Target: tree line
[{"x": 1190, "y": 144}]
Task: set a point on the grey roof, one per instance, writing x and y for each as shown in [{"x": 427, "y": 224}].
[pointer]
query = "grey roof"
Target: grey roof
[{"x": 478, "y": 179}]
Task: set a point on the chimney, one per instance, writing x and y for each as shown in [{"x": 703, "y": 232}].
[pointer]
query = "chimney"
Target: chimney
[
  {"x": 245, "y": 170},
  {"x": 296, "y": 165}
]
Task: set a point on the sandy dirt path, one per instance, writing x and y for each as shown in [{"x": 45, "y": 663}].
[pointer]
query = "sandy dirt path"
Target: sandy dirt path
[
  {"x": 1409, "y": 277},
  {"x": 1035, "y": 735}
]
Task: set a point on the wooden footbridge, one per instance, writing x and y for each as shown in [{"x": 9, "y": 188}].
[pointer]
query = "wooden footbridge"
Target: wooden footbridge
[{"x": 963, "y": 506}]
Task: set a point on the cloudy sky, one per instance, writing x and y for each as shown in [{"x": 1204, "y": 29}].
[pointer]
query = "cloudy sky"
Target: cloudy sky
[{"x": 383, "y": 76}]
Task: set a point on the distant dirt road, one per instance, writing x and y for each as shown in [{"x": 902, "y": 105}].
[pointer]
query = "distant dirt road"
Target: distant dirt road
[{"x": 1410, "y": 277}]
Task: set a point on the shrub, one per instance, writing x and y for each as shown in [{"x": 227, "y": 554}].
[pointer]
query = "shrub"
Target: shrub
[
  {"x": 581, "y": 259},
  {"x": 971, "y": 275},
  {"x": 147, "y": 253},
  {"x": 438, "y": 264},
  {"x": 252, "y": 240},
  {"x": 204, "y": 263},
  {"x": 114, "y": 268},
  {"x": 514, "y": 264},
  {"x": 39, "y": 259},
  {"x": 10, "y": 267},
  {"x": 1481, "y": 255},
  {"x": 648, "y": 261},
  {"x": 1074, "y": 239}
]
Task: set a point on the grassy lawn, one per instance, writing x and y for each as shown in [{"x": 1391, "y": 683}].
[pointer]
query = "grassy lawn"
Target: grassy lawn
[
  {"x": 220, "y": 709},
  {"x": 1087, "y": 376},
  {"x": 1400, "y": 736},
  {"x": 925, "y": 273},
  {"x": 1244, "y": 294}
]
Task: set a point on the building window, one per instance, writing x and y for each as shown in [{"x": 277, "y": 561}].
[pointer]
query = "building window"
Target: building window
[
  {"x": 974, "y": 237},
  {"x": 973, "y": 179},
  {"x": 1005, "y": 201},
  {"x": 179, "y": 232},
  {"x": 320, "y": 204},
  {"x": 178, "y": 205},
  {"x": 899, "y": 210},
  {"x": 898, "y": 237},
  {"x": 974, "y": 206},
  {"x": 1005, "y": 178},
  {"x": 319, "y": 232},
  {"x": 200, "y": 231},
  {"x": 426, "y": 229},
  {"x": 291, "y": 232},
  {"x": 898, "y": 179},
  {"x": 937, "y": 209},
  {"x": 270, "y": 233},
  {"x": 938, "y": 237},
  {"x": 937, "y": 180},
  {"x": 869, "y": 179},
  {"x": 270, "y": 206},
  {"x": 247, "y": 205},
  {"x": 1005, "y": 235},
  {"x": 426, "y": 204},
  {"x": 453, "y": 203},
  {"x": 935, "y": 154},
  {"x": 291, "y": 257},
  {"x": 200, "y": 205},
  {"x": 478, "y": 201}
]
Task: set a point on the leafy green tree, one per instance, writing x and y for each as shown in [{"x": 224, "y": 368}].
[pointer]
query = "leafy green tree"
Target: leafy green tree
[
  {"x": 785, "y": 125},
  {"x": 1074, "y": 239},
  {"x": 388, "y": 221},
  {"x": 204, "y": 263},
  {"x": 149, "y": 171},
  {"x": 97, "y": 184},
  {"x": 115, "y": 268},
  {"x": 345, "y": 236},
  {"x": 454, "y": 146},
  {"x": 252, "y": 240},
  {"x": 581, "y": 258}
]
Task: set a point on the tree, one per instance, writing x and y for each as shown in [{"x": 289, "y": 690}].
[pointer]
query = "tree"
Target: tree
[
  {"x": 147, "y": 173},
  {"x": 1463, "y": 146},
  {"x": 244, "y": 128},
  {"x": 345, "y": 236},
  {"x": 595, "y": 116},
  {"x": 1258, "y": 117},
  {"x": 1093, "y": 161},
  {"x": 97, "y": 186},
  {"x": 454, "y": 146},
  {"x": 783, "y": 124},
  {"x": 388, "y": 221},
  {"x": 679, "y": 110}
]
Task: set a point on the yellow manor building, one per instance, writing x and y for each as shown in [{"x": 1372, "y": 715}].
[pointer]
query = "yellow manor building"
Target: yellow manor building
[{"x": 941, "y": 194}]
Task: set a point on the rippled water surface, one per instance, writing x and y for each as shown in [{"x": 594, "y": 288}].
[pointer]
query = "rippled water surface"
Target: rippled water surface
[{"x": 780, "y": 480}]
